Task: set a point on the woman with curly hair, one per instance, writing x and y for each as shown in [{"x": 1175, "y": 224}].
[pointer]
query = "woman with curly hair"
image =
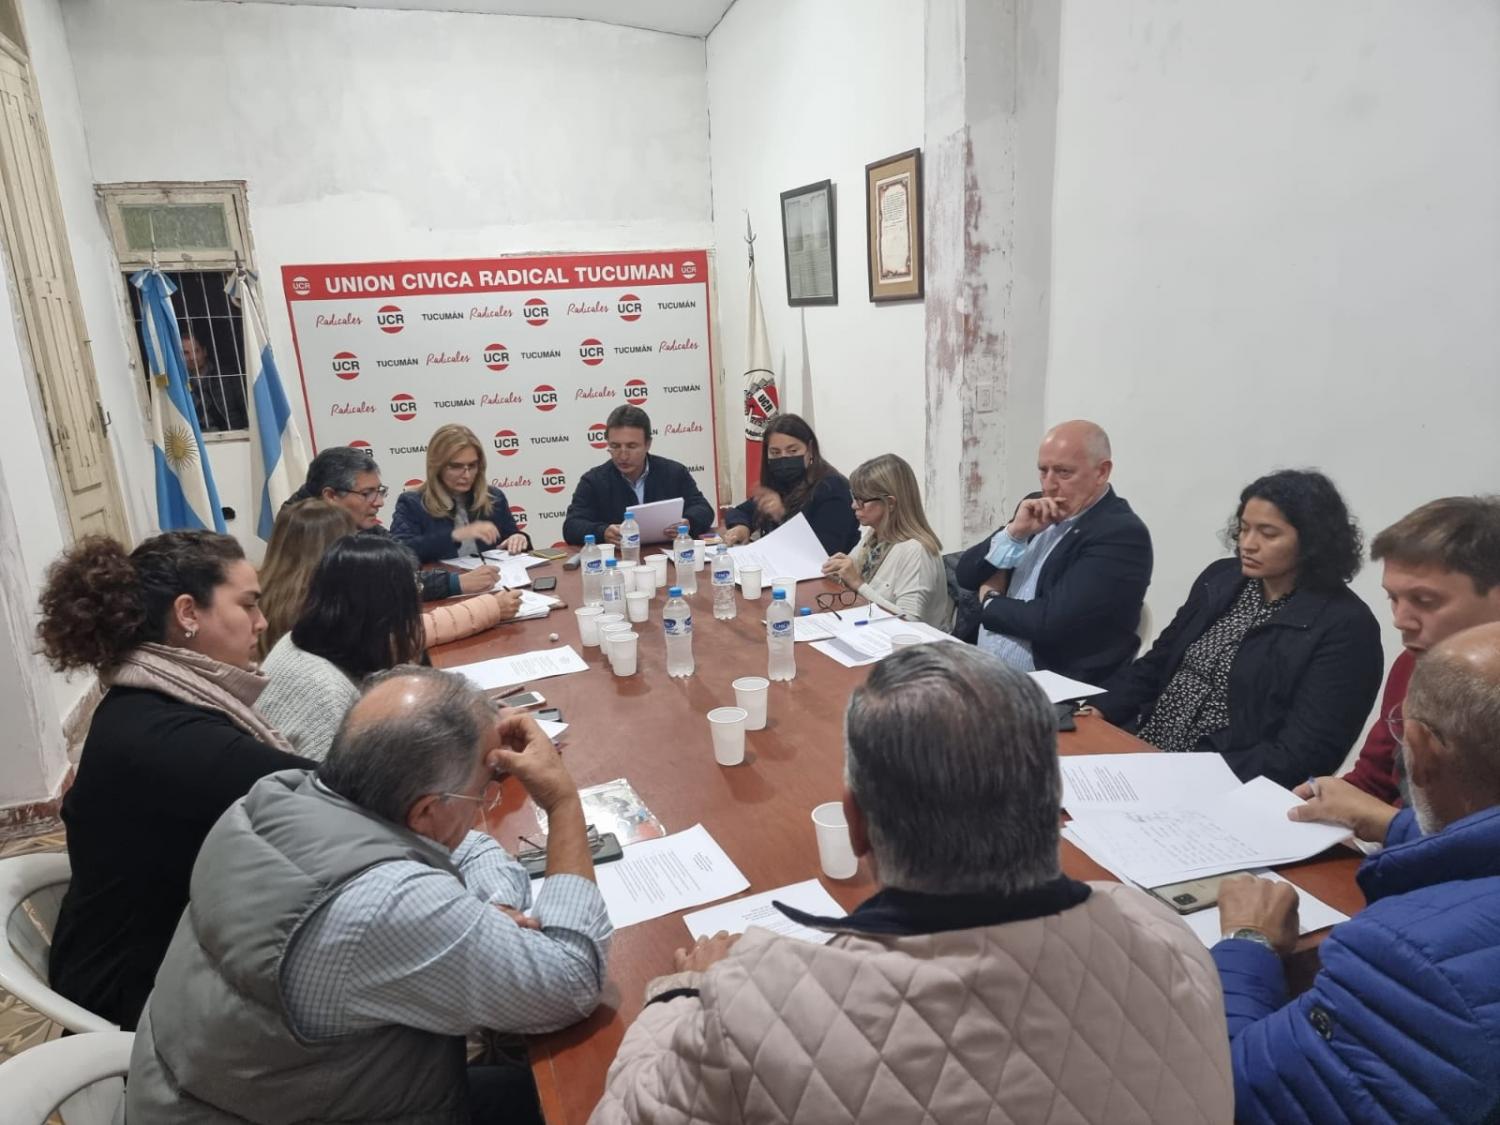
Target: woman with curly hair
[
  {"x": 1273, "y": 661},
  {"x": 171, "y": 739}
]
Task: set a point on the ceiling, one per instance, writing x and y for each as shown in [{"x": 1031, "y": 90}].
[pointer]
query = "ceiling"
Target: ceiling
[{"x": 679, "y": 17}]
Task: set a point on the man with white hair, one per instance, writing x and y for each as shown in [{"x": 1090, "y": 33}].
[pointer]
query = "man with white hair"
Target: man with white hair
[
  {"x": 1403, "y": 1021},
  {"x": 980, "y": 984},
  {"x": 347, "y": 928},
  {"x": 1061, "y": 586}
]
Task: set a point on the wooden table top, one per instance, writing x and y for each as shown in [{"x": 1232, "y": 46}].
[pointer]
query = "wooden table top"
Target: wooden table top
[{"x": 652, "y": 730}]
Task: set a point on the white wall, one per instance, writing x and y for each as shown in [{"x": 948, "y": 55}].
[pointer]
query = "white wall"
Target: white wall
[
  {"x": 1277, "y": 244},
  {"x": 369, "y": 134},
  {"x": 797, "y": 93}
]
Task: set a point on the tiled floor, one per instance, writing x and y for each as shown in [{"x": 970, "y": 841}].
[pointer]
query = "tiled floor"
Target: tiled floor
[{"x": 20, "y": 1027}]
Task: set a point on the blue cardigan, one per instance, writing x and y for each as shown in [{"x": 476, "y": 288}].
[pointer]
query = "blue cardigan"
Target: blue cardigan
[
  {"x": 431, "y": 537},
  {"x": 1403, "y": 1022}
]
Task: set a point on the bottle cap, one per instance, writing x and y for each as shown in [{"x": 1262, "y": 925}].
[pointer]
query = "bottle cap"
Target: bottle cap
[
  {"x": 588, "y": 540},
  {"x": 674, "y": 591},
  {"x": 611, "y": 563},
  {"x": 805, "y": 611},
  {"x": 778, "y": 595}
]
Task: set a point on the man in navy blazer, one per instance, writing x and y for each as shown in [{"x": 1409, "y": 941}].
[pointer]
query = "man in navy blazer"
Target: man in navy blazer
[
  {"x": 631, "y": 476},
  {"x": 1061, "y": 586}
]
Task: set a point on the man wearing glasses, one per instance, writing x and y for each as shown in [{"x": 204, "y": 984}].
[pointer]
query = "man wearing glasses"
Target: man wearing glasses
[
  {"x": 1402, "y": 1022},
  {"x": 350, "y": 478},
  {"x": 350, "y": 926}
]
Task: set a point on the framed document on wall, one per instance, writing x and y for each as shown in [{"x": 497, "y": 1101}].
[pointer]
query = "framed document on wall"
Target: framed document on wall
[
  {"x": 893, "y": 221},
  {"x": 810, "y": 245}
]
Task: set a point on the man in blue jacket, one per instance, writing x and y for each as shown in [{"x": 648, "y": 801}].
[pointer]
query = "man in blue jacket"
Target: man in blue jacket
[
  {"x": 1403, "y": 1022},
  {"x": 631, "y": 476}
]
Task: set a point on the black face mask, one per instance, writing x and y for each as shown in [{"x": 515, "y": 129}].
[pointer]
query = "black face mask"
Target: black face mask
[{"x": 786, "y": 472}]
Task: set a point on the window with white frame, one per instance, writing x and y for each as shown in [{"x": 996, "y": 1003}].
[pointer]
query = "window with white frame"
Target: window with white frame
[{"x": 198, "y": 234}]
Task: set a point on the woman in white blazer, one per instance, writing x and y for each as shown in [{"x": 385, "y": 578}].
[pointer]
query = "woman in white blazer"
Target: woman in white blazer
[{"x": 898, "y": 564}]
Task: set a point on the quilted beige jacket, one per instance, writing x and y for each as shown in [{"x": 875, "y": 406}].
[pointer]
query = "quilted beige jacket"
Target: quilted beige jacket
[{"x": 1109, "y": 1012}]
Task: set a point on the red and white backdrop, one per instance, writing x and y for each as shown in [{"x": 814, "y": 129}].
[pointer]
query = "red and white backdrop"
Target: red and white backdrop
[{"x": 530, "y": 353}]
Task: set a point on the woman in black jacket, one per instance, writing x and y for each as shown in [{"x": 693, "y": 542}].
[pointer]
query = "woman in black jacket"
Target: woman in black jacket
[
  {"x": 1273, "y": 661},
  {"x": 456, "y": 511},
  {"x": 171, "y": 739},
  {"x": 794, "y": 478}
]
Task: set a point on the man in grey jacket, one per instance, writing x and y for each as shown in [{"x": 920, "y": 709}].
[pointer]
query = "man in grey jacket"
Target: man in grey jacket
[{"x": 347, "y": 928}]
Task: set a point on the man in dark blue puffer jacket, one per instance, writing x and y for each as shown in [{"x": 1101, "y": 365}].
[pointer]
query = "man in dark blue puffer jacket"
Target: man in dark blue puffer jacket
[{"x": 1403, "y": 1022}]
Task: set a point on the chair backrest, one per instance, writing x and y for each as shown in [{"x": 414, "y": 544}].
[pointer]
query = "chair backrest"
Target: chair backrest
[
  {"x": 79, "y": 1078},
  {"x": 31, "y": 892}
]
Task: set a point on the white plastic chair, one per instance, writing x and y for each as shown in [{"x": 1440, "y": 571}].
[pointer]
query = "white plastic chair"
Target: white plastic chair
[
  {"x": 79, "y": 1078},
  {"x": 31, "y": 891}
]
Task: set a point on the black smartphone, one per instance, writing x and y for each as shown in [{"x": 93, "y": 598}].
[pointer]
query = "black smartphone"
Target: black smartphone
[
  {"x": 551, "y": 715},
  {"x": 605, "y": 849},
  {"x": 543, "y": 583}
]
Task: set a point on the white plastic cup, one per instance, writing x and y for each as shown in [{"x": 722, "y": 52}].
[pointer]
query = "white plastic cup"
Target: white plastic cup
[
  {"x": 750, "y": 694},
  {"x": 638, "y": 606},
  {"x": 607, "y": 635},
  {"x": 658, "y": 564},
  {"x": 603, "y": 620},
  {"x": 750, "y": 580},
  {"x": 643, "y": 578},
  {"x": 835, "y": 852},
  {"x": 588, "y": 624},
  {"x": 624, "y": 649},
  {"x": 906, "y": 640},
  {"x": 787, "y": 584},
  {"x": 698, "y": 554},
  {"x": 728, "y": 726},
  {"x": 606, "y": 551}
]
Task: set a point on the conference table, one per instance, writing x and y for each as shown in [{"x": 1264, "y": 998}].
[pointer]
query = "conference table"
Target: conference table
[{"x": 651, "y": 729}]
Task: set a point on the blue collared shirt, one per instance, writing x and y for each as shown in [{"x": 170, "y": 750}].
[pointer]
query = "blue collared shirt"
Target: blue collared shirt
[{"x": 638, "y": 486}]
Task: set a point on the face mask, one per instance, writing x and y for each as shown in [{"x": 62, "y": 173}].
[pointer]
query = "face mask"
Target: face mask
[{"x": 786, "y": 472}]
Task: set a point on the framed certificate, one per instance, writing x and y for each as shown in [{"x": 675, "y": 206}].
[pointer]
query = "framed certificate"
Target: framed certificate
[
  {"x": 809, "y": 242},
  {"x": 893, "y": 221}
]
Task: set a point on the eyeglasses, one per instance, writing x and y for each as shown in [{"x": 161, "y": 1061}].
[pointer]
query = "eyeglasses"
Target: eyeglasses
[
  {"x": 367, "y": 494},
  {"x": 1396, "y": 723},
  {"x": 861, "y": 501},
  {"x": 486, "y": 804},
  {"x": 462, "y": 467},
  {"x": 836, "y": 599}
]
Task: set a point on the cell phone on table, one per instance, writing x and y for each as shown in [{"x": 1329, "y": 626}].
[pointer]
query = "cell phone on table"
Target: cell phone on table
[
  {"x": 544, "y": 583},
  {"x": 550, "y": 715},
  {"x": 1193, "y": 895},
  {"x": 604, "y": 849},
  {"x": 523, "y": 700}
]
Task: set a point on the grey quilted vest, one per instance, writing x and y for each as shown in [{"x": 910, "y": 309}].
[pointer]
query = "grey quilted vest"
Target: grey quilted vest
[{"x": 220, "y": 1047}]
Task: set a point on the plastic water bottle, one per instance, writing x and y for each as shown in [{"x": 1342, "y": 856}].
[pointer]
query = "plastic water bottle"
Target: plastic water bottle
[
  {"x": 677, "y": 621},
  {"x": 725, "y": 604},
  {"x": 630, "y": 539},
  {"x": 780, "y": 638},
  {"x": 593, "y": 571},
  {"x": 612, "y": 588},
  {"x": 682, "y": 555}
]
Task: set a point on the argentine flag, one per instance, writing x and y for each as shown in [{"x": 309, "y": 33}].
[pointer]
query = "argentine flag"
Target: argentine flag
[
  {"x": 278, "y": 460},
  {"x": 186, "y": 499}
]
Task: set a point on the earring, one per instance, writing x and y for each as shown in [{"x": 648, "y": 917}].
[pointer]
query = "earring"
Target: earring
[{"x": 190, "y": 632}]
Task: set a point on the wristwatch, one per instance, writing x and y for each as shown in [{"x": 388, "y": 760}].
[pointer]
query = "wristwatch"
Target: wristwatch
[
  {"x": 988, "y": 594},
  {"x": 1245, "y": 933}
]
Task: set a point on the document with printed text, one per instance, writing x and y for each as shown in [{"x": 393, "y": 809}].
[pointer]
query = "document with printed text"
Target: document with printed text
[
  {"x": 523, "y": 667},
  {"x": 738, "y": 915},
  {"x": 1141, "y": 781}
]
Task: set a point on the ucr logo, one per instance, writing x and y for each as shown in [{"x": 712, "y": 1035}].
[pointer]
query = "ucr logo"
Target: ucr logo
[
  {"x": 507, "y": 443},
  {"x": 496, "y": 357},
  {"x": 415, "y": 482},
  {"x": 518, "y": 514},
  {"x": 359, "y": 445},
  {"x": 598, "y": 435},
  {"x": 301, "y": 286},
  {"x": 690, "y": 270},
  {"x": 544, "y": 397},
  {"x": 346, "y": 365},
  {"x": 536, "y": 312},
  {"x": 390, "y": 318},
  {"x": 635, "y": 392},
  {"x": 553, "y": 480},
  {"x": 629, "y": 307},
  {"x": 591, "y": 352},
  {"x": 403, "y": 407}
]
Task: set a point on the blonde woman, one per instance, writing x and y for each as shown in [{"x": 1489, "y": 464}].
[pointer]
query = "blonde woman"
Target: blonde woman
[
  {"x": 898, "y": 564},
  {"x": 456, "y": 512}
]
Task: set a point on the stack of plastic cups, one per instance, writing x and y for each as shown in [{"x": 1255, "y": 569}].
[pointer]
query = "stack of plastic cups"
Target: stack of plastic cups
[{"x": 607, "y": 635}]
